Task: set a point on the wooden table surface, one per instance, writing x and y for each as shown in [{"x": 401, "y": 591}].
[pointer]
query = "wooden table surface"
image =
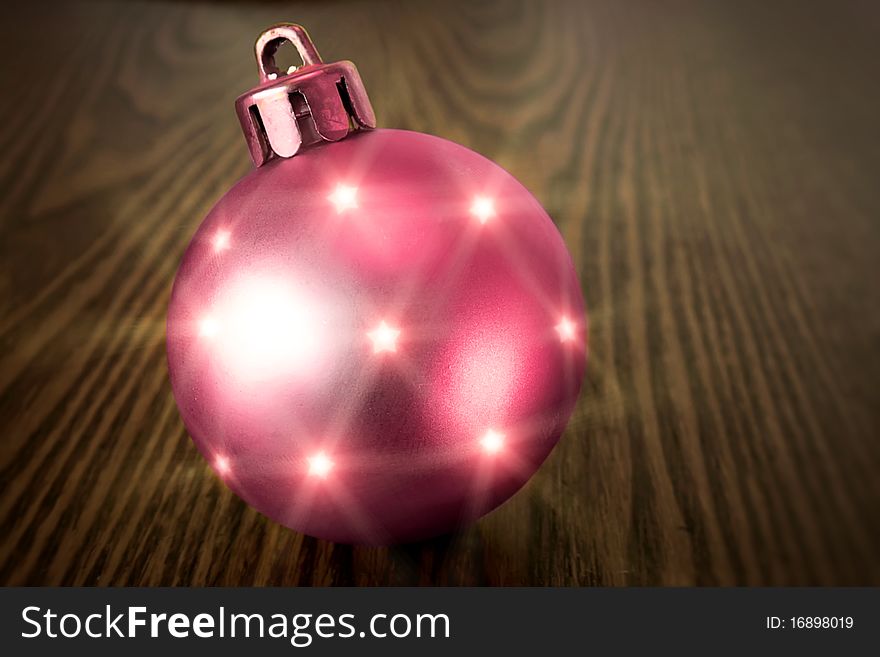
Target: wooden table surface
[{"x": 714, "y": 168}]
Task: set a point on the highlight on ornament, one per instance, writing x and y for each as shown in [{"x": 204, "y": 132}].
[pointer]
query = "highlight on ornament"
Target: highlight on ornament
[
  {"x": 353, "y": 359},
  {"x": 261, "y": 328},
  {"x": 209, "y": 327}
]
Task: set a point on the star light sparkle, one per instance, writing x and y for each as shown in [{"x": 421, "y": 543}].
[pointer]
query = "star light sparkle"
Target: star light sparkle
[
  {"x": 566, "y": 330},
  {"x": 222, "y": 465},
  {"x": 384, "y": 338},
  {"x": 221, "y": 240},
  {"x": 483, "y": 208},
  {"x": 319, "y": 465},
  {"x": 344, "y": 198},
  {"x": 492, "y": 441}
]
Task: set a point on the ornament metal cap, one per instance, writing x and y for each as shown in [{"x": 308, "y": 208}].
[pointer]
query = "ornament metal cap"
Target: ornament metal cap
[{"x": 302, "y": 106}]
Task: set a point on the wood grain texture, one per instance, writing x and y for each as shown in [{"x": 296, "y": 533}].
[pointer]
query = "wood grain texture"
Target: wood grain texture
[{"x": 712, "y": 166}]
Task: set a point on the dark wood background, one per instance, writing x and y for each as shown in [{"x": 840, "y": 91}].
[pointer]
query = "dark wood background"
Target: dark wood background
[{"x": 713, "y": 166}]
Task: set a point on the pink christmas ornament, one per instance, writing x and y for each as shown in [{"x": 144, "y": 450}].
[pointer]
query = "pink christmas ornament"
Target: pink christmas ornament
[{"x": 378, "y": 335}]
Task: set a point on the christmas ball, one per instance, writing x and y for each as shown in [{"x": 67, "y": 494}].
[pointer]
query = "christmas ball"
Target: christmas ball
[{"x": 376, "y": 338}]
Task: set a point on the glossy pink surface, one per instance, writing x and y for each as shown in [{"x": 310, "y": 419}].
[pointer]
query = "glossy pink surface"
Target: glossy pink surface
[{"x": 377, "y": 340}]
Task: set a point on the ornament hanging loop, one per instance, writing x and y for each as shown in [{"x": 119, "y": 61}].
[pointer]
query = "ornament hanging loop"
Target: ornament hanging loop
[
  {"x": 289, "y": 110},
  {"x": 272, "y": 39}
]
